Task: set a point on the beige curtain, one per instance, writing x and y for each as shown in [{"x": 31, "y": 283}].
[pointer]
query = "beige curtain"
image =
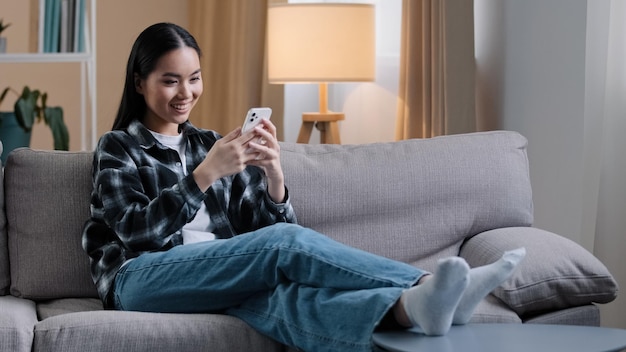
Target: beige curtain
[
  {"x": 436, "y": 95},
  {"x": 231, "y": 35}
]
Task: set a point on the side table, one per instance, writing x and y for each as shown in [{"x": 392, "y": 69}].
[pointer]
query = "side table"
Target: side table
[{"x": 507, "y": 337}]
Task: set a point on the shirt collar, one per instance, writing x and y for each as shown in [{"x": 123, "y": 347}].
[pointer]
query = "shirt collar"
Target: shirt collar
[{"x": 138, "y": 131}]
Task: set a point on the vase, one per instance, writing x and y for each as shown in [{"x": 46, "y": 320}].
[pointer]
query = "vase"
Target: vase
[
  {"x": 3, "y": 45},
  {"x": 12, "y": 135}
]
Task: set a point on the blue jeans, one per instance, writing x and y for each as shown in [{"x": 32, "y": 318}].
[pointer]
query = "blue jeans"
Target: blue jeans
[{"x": 288, "y": 282}]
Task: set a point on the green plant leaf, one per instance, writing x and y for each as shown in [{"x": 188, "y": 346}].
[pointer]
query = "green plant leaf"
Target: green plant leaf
[
  {"x": 54, "y": 118},
  {"x": 4, "y": 94},
  {"x": 25, "y": 108},
  {"x": 3, "y": 26},
  {"x": 27, "y": 113}
]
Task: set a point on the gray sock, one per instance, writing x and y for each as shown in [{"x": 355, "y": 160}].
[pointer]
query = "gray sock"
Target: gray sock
[
  {"x": 485, "y": 279},
  {"x": 431, "y": 305}
]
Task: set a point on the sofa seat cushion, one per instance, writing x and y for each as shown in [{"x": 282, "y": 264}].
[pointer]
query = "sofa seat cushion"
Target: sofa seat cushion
[
  {"x": 148, "y": 332},
  {"x": 588, "y": 315},
  {"x": 17, "y": 320},
  {"x": 493, "y": 310},
  {"x": 51, "y": 308}
]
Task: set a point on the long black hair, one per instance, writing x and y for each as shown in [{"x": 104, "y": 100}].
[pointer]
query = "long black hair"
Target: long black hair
[{"x": 154, "y": 42}]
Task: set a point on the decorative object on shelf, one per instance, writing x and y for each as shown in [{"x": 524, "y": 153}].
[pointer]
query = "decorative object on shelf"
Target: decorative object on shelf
[
  {"x": 322, "y": 42},
  {"x": 62, "y": 26},
  {"x": 29, "y": 108},
  {"x": 12, "y": 135},
  {"x": 3, "y": 40}
]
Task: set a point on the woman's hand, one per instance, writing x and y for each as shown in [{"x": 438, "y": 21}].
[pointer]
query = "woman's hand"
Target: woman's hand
[
  {"x": 233, "y": 152},
  {"x": 265, "y": 150},
  {"x": 227, "y": 157}
]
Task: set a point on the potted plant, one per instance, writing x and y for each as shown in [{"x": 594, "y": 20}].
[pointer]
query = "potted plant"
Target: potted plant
[
  {"x": 3, "y": 40},
  {"x": 29, "y": 108}
]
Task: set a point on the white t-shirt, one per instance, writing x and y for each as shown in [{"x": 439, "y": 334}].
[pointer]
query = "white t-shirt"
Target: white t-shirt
[{"x": 199, "y": 229}]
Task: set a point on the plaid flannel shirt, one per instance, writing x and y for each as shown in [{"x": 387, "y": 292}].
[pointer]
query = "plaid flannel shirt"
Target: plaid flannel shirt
[{"x": 141, "y": 199}]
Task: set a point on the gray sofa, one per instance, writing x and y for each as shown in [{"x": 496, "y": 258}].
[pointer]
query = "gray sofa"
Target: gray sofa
[{"x": 414, "y": 201}]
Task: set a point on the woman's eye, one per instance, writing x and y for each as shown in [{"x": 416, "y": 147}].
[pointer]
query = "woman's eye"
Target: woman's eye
[
  {"x": 170, "y": 82},
  {"x": 195, "y": 79}
]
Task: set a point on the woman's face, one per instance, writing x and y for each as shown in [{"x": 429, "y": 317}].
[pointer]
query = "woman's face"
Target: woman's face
[{"x": 171, "y": 90}]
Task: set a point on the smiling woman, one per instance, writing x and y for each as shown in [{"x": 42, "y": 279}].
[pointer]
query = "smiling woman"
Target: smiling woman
[{"x": 171, "y": 90}]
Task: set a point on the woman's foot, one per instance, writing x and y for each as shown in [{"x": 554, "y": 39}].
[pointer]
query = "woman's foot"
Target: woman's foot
[
  {"x": 485, "y": 279},
  {"x": 431, "y": 304}
]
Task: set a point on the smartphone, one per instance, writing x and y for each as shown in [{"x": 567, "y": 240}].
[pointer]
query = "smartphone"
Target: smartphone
[{"x": 254, "y": 116}]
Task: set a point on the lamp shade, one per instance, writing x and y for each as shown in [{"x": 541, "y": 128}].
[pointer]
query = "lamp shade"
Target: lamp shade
[{"x": 325, "y": 42}]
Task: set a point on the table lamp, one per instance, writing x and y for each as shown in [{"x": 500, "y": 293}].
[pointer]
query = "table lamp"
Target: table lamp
[{"x": 321, "y": 43}]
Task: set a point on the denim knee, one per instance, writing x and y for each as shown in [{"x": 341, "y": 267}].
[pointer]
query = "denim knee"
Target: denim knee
[
  {"x": 293, "y": 234},
  {"x": 286, "y": 227}
]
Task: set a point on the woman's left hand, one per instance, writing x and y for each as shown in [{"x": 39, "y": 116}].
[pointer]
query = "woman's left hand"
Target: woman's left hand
[{"x": 264, "y": 152}]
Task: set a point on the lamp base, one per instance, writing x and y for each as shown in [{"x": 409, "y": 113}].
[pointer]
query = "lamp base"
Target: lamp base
[{"x": 326, "y": 123}]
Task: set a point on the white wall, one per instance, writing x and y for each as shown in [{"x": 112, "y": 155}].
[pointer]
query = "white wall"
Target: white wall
[
  {"x": 534, "y": 55},
  {"x": 544, "y": 68},
  {"x": 610, "y": 241},
  {"x": 370, "y": 108}
]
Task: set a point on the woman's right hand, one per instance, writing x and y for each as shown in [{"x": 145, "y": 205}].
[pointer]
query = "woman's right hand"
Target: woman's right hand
[{"x": 228, "y": 156}]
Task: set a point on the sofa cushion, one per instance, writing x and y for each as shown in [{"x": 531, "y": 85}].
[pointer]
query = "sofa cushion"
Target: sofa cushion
[
  {"x": 54, "y": 307},
  {"x": 17, "y": 321},
  {"x": 414, "y": 200},
  {"x": 47, "y": 202},
  {"x": 493, "y": 310},
  {"x": 588, "y": 315},
  {"x": 5, "y": 274},
  {"x": 148, "y": 332},
  {"x": 543, "y": 281}
]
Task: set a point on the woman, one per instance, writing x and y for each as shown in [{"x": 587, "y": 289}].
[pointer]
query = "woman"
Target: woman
[{"x": 184, "y": 220}]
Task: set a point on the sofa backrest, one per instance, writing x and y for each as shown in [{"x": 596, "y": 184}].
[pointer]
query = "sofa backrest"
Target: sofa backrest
[{"x": 414, "y": 201}]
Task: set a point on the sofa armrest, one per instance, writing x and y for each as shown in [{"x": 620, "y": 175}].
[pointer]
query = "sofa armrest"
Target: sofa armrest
[
  {"x": 17, "y": 323},
  {"x": 557, "y": 273}
]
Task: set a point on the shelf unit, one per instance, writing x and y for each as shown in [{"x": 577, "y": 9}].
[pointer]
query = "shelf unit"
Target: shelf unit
[{"x": 87, "y": 62}]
